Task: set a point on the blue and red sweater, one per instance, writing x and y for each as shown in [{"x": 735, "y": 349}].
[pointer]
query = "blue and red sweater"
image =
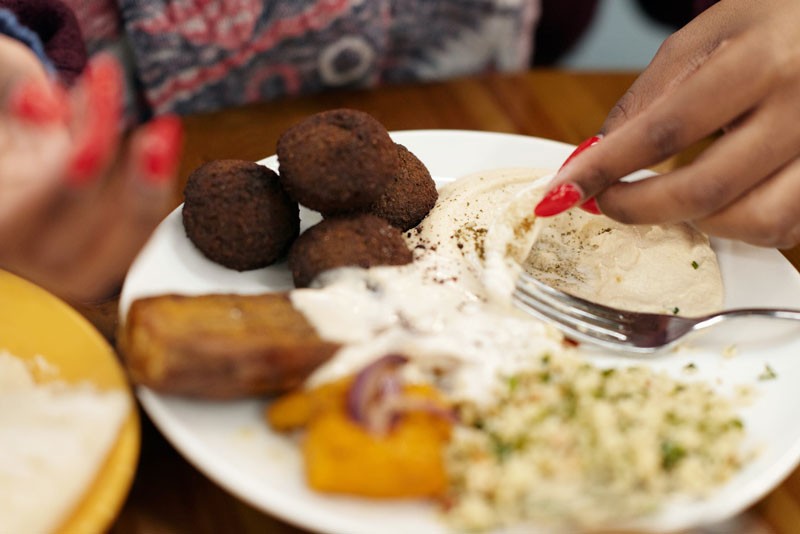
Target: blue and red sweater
[{"x": 187, "y": 56}]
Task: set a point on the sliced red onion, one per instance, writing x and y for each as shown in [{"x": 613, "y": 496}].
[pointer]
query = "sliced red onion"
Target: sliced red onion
[
  {"x": 371, "y": 384},
  {"x": 376, "y": 399}
]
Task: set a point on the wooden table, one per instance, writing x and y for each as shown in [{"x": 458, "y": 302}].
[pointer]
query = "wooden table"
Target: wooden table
[{"x": 169, "y": 495}]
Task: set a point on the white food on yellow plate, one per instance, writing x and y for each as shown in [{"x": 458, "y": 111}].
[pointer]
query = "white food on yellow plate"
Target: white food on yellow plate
[{"x": 54, "y": 438}]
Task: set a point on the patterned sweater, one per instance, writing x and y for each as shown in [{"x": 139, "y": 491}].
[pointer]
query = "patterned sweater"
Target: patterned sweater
[{"x": 187, "y": 56}]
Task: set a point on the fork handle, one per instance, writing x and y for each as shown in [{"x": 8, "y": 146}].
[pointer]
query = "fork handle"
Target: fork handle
[{"x": 775, "y": 313}]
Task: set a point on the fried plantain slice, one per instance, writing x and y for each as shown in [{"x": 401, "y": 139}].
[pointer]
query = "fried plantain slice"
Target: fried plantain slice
[{"x": 220, "y": 346}]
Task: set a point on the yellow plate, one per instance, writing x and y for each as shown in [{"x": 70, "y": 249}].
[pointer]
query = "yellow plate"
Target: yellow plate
[{"x": 32, "y": 321}]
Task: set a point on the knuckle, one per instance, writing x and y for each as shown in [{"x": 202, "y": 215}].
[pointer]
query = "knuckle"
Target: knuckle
[
  {"x": 768, "y": 60},
  {"x": 671, "y": 45},
  {"x": 665, "y": 136},
  {"x": 793, "y": 238},
  {"x": 774, "y": 228},
  {"x": 623, "y": 110},
  {"x": 704, "y": 196},
  {"x": 596, "y": 178},
  {"x": 615, "y": 207},
  {"x": 620, "y": 214},
  {"x": 785, "y": 69}
]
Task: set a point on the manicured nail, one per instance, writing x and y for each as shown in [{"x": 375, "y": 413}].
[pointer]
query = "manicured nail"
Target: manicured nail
[
  {"x": 557, "y": 200},
  {"x": 34, "y": 102},
  {"x": 590, "y": 206},
  {"x": 84, "y": 165},
  {"x": 103, "y": 80},
  {"x": 581, "y": 147},
  {"x": 161, "y": 148}
]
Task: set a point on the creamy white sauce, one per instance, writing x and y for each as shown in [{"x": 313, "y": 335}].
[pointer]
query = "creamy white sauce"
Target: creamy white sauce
[
  {"x": 450, "y": 309},
  {"x": 421, "y": 310}
]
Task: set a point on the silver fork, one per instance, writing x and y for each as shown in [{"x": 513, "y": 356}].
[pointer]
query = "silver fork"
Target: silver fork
[{"x": 620, "y": 330}]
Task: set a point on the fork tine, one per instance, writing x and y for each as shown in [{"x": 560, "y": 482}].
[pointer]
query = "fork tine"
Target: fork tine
[
  {"x": 576, "y": 305},
  {"x": 608, "y": 328},
  {"x": 598, "y": 337},
  {"x": 594, "y": 337},
  {"x": 591, "y": 308},
  {"x": 566, "y": 315}
]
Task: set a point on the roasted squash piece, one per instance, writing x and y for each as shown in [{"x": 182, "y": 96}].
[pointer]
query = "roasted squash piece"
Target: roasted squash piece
[
  {"x": 342, "y": 457},
  {"x": 296, "y": 408}
]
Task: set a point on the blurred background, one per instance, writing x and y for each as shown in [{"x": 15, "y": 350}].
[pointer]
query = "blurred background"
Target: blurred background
[{"x": 621, "y": 36}]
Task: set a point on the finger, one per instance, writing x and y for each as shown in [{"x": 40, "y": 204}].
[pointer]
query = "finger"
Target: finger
[
  {"x": 70, "y": 223},
  {"x": 38, "y": 102},
  {"x": 145, "y": 197},
  {"x": 19, "y": 62},
  {"x": 731, "y": 166},
  {"x": 766, "y": 216},
  {"x": 678, "y": 57},
  {"x": 98, "y": 118},
  {"x": 34, "y": 147},
  {"x": 675, "y": 121}
]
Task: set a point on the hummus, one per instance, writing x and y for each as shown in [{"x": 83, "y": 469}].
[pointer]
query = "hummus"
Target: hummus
[
  {"x": 650, "y": 268},
  {"x": 658, "y": 269},
  {"x": 451, "y": 307}
]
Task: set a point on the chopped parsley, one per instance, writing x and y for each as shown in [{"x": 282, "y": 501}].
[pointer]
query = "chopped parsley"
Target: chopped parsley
[
  {"x": 736, "y": 423},
  {"x": 768, "y": 373},
  {"x": 675, "y": 310},
  {"x": 671, "y": 454},
  {"x": 501, "y": 449},
  {"x": 504, "y": 448},
  {"x": 695, "y": 265}
]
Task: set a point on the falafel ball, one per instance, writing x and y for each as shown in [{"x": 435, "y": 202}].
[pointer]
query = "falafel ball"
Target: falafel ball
[
  {"x": 410, "y": 196},
  {"x": 238, "y": 215},
  {"x": 363, "y": 240},
  {"x": 337, "y": 161}
]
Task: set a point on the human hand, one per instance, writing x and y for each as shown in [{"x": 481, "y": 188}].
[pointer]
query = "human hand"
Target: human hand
[
  {"x": 735, "y": 68},
  {"x": 77, "y": 201}
]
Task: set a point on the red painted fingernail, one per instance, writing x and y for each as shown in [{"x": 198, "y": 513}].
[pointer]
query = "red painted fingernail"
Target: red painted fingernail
[
  {"x": 557, "y": 200},
  {"x": 84, "y": 164},
  {"x": 590, "y": 206},
  {"x": 581, "y": 147},
  {"x": 103, "y": 81},
  {"x": 161, "y": 148},
  {"x": 34, "y": 102}
]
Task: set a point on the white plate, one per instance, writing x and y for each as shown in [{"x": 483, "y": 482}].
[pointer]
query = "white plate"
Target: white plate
[{"x": 230, "y": 443}]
